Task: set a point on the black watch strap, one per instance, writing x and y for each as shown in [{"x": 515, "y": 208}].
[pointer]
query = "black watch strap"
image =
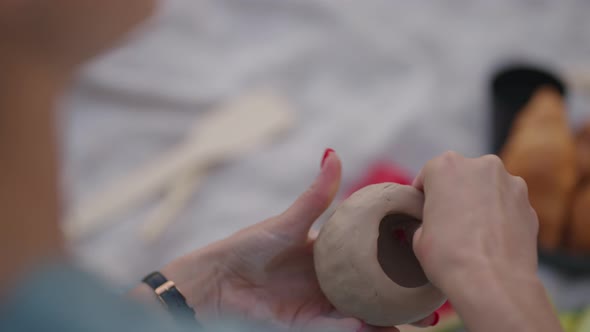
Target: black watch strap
[{"x": 170, "y": 296}]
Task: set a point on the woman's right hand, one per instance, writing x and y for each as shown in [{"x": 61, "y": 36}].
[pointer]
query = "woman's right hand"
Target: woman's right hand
[
  {"x": 478, "y": 244},
  {"x": 477, "y": 219}
]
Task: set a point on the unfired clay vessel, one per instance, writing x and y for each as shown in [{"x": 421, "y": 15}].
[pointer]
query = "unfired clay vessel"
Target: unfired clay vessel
[{"x": 364, "y": 259}]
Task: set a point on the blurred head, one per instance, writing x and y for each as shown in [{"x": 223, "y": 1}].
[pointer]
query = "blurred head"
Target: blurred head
[{"x": 67, "y": 31}]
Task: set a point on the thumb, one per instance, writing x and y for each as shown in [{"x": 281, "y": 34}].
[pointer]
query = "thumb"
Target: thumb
[{"x": 299, "y": 217}]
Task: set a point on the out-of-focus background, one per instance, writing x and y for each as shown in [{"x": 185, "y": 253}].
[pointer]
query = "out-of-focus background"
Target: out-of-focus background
[{"x": 376, "y": 80}]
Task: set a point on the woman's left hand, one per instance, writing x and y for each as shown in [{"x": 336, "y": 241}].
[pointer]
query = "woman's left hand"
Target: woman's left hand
[{"x": 265, "y": 273}]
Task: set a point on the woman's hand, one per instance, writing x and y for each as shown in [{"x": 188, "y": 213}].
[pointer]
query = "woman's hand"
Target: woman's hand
[
  {"x": 265, "y": 273},
  {"x": 478, "y": 244},
  {"x": 477, "y": 217}
]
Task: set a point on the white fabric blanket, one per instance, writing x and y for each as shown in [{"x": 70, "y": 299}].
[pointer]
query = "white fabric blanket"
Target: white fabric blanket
[{"x": 374, "y": 79}]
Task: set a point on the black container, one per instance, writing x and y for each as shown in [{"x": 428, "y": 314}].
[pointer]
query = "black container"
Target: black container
[
  {"x": 573, "y": 265},
  {"x": 512, "y": 88}
]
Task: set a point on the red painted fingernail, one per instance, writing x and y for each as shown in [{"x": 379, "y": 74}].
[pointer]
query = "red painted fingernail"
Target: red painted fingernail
[
  {"x": 436, "y": 319},
  {"x": 362, "y": 328},
  {"x": 326, "y": 154}
]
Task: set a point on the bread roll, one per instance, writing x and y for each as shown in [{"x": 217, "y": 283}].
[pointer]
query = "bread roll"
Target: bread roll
[
  {"x": 578, "y": 239},
  {"x": 541, "y": 149}
]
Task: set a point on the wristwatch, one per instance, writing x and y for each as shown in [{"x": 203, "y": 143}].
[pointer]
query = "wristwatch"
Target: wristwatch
[{"x": 170, "y": 296}]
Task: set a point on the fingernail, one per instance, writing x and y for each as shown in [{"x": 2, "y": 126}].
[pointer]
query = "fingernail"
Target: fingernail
[
  {"x": 362, "y": 328},
  {"x": 326, "y": 154},
  {"x": 436, "y": 319}
]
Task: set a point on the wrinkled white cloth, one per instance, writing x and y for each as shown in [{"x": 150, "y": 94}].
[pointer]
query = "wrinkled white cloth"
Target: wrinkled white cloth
[{"x": 373, "y": 79}]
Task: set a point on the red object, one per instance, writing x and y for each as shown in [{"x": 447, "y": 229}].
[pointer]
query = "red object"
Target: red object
[
  {"x": 326, "y": 154},
  {"x": 400, "y": 235},
  {"x": 382, "y": 171},
  {"x": 446, "y": 309},
  {"x": 436, "y": 319}
]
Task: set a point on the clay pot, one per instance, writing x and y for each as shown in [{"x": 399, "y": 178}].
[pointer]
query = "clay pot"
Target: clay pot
[{"x": 364, "y": 259}]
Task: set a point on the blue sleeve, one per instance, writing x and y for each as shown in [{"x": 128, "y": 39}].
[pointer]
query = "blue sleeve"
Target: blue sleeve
[{"x": 66, "y": 300}]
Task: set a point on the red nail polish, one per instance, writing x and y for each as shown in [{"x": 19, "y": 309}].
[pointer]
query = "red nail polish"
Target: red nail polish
[
  {"x": 326, "y": 154},
  {"x": 362, "y": 328},
  {"x": 436, "y": 319}
]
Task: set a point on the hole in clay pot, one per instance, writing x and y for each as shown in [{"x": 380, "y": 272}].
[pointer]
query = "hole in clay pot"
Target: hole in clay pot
[{"x": 394, "y": 250}]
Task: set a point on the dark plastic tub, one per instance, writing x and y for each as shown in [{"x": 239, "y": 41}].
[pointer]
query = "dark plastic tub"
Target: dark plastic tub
[{"x": 511, "y": 88}]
